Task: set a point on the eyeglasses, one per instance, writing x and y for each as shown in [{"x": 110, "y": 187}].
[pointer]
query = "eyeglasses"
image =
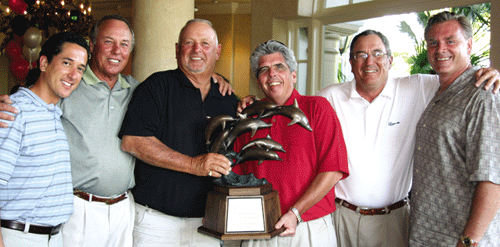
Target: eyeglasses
[
  {"x": 362, "y": 56},
  {"x": 279, "y": 67}
]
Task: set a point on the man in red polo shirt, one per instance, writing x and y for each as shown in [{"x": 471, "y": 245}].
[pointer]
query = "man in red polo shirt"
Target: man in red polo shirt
[{"x": 314, "y": 161}]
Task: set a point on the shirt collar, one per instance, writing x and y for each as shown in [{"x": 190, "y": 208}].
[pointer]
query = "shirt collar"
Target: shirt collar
[
  {"x": 91, "y": 79},
  {"x": 388, "y": 91},
  {"x": 214, "y": 87},
  {"x": 40, "y": 102},
  {"x": 291, "y": 100},
  {"x": 462, "y": 80}
]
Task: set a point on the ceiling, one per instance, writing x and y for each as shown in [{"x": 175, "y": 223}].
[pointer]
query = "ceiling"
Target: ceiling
[
  {"x": 196, "y": 1},
  {"x": 220, "y": 1},
  {"x": 124, "y": 7}
]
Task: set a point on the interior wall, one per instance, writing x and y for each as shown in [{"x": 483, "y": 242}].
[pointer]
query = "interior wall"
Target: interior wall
[
  {"x": 242, "y": 51},
  {"x": 233, "y": 31}
]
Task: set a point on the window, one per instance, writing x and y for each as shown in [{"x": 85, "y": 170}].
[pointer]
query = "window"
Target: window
[{"x": 336, "y": 3}]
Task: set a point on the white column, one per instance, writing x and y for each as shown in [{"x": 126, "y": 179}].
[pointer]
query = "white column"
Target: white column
[{"x": 157, "y": 24}]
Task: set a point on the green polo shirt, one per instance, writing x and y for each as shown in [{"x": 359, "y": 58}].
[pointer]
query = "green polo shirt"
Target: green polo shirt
[{"x": 92, "y": 117}]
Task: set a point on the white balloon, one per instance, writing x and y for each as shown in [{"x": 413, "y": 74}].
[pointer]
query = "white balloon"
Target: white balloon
[
  {"x": 32, "y": 37},
  {"x": 31, "y": 54}
]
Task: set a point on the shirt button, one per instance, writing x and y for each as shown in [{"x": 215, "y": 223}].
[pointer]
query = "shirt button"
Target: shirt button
[
  {"x": 416, "y": 171},
  {"x": 425, "y": 125},
  {"x": 112, "y": 107},
  {"x": 274, "y": 120},
  {"x": 418, "y": 148}
]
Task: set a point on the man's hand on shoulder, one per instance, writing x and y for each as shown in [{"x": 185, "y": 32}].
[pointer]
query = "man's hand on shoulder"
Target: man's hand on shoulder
[
  {"x": 490, "y": 76},
  {"x": 224, "y": 85},
  {"x": 5, "y": 106},
  {"x": 246, "y": 101}
]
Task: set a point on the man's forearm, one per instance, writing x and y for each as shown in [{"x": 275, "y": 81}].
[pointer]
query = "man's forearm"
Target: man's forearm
[
  {"x": 152, "y": 151},
  {"x": 485, "y": 206},
  {"x": 320, "y": 186}
]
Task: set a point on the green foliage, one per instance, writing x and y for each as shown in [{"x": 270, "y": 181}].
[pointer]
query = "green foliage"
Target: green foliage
[
  {"x": 479, "y": 15},
  {"x": 340, "y": 76}
]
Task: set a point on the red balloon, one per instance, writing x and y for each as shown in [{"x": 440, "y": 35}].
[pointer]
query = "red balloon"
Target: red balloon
[
  {"x": 14, "y": 50},
  {"x": 19, "y": 39},
  {"x": 20, "y": 68},
  {"x": 18, "y": 6}
]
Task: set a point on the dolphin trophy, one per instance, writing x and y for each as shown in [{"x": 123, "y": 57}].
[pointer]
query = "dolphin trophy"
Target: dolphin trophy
[{"x": 259, "y": 149}]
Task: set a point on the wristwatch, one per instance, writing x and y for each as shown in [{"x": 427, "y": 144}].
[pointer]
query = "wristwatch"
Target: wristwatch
[
  {"x": 296, "y": 212},
  {"x": 467, "y": 241}
]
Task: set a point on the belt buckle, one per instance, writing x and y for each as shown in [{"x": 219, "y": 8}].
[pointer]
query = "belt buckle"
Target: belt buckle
[
  {"x": 386, "y": 210},
  {"x": 358, "y": 209},
  {"x": 55, "y": 230},
  {"x": 406, "y": 200},
  {"x": 109, "y": 201}
]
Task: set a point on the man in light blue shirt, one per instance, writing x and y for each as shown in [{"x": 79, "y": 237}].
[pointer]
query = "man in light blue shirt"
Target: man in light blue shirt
[{"x": 35, "y": 172}]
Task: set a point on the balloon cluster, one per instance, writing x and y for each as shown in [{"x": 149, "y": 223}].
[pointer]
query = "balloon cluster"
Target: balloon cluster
[
  {"x": 27, "y": 22},
  {"x": 23, "y": 52}
]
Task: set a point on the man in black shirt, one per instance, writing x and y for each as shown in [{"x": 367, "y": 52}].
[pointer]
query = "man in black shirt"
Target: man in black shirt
[{"x": 164, "y": 128}]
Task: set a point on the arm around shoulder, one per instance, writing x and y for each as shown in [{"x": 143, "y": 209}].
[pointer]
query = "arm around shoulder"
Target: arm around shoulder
[{"x": 5, "y": 106}]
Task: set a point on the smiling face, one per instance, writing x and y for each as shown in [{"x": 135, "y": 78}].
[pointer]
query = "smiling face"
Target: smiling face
[
  {"x": 62, "y": 75},
  {"x": 371, "y": 73},
  {"x": 111, "y": 50},
  {"x": 197, "y": 50},
  {"x": 275, "y": 78},
  {"x": 448, "y": 51}
]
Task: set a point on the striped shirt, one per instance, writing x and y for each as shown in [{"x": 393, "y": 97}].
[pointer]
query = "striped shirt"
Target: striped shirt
[{"x": 35, "y": 171}]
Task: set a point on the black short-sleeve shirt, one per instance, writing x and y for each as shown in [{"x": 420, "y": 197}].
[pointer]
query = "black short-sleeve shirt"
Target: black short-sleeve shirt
[{"x": 167, "y": 106}]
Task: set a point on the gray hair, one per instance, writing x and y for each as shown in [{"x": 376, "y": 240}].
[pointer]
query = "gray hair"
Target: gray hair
[
  {"x": 384, "y": 39},
  {"x": 95, "y": 29},
  {"x": 448, "y": 16},
  {"x": 198, "y": 21},
  {"x": 270, "y": 47}
]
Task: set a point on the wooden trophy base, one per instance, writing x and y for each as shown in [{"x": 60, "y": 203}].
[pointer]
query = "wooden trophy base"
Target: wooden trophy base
[{"x": 242, "y": 213}]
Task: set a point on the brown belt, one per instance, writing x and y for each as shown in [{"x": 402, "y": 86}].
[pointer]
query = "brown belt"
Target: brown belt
[
  {"x": 89, "y": 197},
  {"x": 374, "y": 211},
  {"x": 16, "y": 225}
]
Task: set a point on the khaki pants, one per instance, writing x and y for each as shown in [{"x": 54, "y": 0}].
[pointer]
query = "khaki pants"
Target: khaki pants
[
  {"x": 313, "y": 233},
  {"x": 354, "y": 229},
  {"x": 156, "y": 229}
]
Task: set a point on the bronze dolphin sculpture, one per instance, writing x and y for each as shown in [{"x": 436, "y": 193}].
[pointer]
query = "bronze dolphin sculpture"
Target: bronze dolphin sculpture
[
  {"x": 257, "y": 153},
  {"x": 243, "y": 125},
  {"x": 267, "y": 143},
  {"x": 258, "y": 108},
  {"x": 293, "y": 112},
  {"x": 214, "y": 123},
  {"x": 219, "y": 141}
]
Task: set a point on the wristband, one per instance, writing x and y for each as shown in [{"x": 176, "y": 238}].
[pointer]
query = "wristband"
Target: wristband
[{"x": 296, "y": 212}]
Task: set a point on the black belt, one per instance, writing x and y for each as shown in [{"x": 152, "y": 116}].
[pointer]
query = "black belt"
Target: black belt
[
  {"x": 372, "y": 211},
  {"x": 19, "y": 226}
]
